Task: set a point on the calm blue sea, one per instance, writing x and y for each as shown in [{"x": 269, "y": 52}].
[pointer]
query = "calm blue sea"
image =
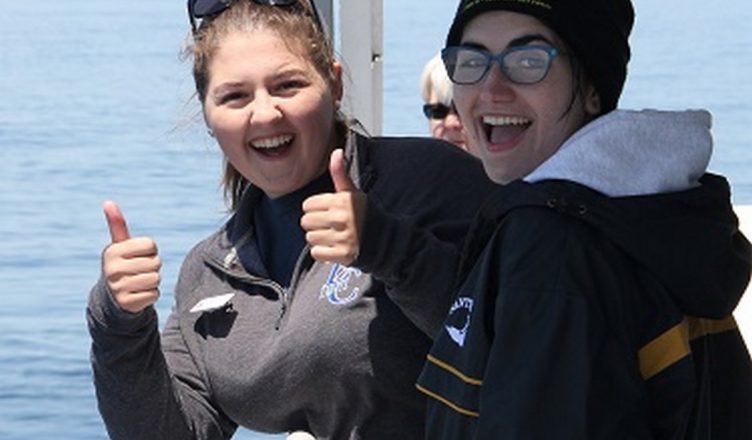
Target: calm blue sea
[{"x": 95, "y": 104}]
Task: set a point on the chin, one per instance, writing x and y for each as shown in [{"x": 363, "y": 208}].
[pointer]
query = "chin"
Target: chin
[
  {"x": 496, "y": 176},
  {"x": 501, "y": 174},
  {"x": 500, "y": 180}
]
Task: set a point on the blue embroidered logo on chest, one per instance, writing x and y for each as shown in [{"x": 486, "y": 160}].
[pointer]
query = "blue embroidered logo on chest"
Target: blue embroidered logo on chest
[{"x": 337, "y": 289}]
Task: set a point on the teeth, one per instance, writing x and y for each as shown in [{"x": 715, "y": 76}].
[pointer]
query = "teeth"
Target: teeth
[
  {"x": 505, "y": 120},
  {"x": 271, "y": 142}
]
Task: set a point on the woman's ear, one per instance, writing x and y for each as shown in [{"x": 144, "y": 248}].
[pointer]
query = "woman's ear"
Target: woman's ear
[
  {"x": 592, "y": 101},
  {"x": 337, "y": 87}
]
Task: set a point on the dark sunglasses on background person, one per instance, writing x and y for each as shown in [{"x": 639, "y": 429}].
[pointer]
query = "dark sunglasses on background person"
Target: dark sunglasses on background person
[
  {"x": 527, "y": 64},
  {"x": 437, "y": 110},
  {"x": 198, "y": 9}
]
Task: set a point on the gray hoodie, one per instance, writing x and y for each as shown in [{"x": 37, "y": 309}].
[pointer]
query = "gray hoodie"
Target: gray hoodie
[{"x": 336, "y": 354}]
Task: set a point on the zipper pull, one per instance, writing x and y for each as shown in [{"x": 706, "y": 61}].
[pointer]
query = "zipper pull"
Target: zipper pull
[
  {"x": 282, "y": 310},
  {"x": 281, "y": 315}
]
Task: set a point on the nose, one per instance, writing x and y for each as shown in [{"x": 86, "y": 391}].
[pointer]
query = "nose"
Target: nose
[
  {"x": 264, "y": 110},
  {"x": 452, "y": 121},
  {"x": 496, "y": 86}
]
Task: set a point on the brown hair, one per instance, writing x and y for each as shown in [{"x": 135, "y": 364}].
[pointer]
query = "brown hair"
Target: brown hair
[{"x": 302, "y": 35}]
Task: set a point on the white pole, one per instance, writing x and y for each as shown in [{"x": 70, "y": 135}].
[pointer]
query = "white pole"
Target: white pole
[{"x": 361, "y": 37}]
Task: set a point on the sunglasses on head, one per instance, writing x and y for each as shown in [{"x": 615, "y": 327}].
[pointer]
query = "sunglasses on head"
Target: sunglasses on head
[
  {"x": 198, "y": 9},
  {"x": 436, "y": 111}
]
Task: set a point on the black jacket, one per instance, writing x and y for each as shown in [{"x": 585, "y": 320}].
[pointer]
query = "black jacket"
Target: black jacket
[{"x": 574, "y": 320}]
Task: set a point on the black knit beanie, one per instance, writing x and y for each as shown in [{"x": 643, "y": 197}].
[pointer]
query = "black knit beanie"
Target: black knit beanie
[{"x": 597, "y": 31}]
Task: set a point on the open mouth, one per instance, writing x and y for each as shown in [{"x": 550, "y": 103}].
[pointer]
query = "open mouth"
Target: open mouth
[
  {"x": 272, "y": 146},
  {"x": 504, "y": 129}
]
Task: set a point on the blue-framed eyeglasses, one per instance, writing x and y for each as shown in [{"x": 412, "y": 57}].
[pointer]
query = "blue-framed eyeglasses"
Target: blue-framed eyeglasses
[
  {"x": 198, "y": 9},
  {"x": 520, "y": 64}
]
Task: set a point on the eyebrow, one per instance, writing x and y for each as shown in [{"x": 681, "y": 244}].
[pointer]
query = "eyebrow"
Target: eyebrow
[
  {"x": 288, "y": 72},
  {"x": 283, "y": 74},
  {"x": 519, "y": 41},
  {"x": 526, "y": 39}
]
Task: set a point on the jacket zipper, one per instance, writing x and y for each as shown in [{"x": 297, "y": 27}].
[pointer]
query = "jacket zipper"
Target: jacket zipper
[
  {"x": 287, "y": 293},
  {"x": 242, "y": 275}
]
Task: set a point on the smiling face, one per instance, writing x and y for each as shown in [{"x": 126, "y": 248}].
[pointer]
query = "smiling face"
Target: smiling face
[
  {"x": 271, "y": 111},
  {"x": 514, "y": 128}
]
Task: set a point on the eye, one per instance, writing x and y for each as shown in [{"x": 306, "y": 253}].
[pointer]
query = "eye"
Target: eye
[
  {"x": 474, "y": 62},
  {"x": 231, "y": 97},
  {"x": 290, "y": 85},
  {"x": 532, "y": 62},
  {"x": 471, "y": 61}
]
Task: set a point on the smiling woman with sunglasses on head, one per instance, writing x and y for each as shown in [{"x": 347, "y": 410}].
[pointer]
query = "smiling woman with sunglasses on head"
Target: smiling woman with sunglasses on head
[
  {"x": 601, "y": 277},
  {"x": 312, "y": 308}
]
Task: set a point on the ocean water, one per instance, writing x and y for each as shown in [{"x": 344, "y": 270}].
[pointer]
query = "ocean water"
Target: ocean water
[{"x": 95, "y": 104}]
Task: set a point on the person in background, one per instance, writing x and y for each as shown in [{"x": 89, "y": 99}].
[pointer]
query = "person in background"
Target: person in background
[
  {"x": 436, "y": 91},
  {"x": 601, "y": 276},
  {"x": 311, "y": 310}
]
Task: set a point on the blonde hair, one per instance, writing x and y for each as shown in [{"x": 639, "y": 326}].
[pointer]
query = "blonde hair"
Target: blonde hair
[
  {"x": 435, "y": 79},
  {"x": 300, "y": 32}
]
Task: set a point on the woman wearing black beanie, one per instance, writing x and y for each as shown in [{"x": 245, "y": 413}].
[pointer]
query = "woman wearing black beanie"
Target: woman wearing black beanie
[{"x": 601, "y": 277}]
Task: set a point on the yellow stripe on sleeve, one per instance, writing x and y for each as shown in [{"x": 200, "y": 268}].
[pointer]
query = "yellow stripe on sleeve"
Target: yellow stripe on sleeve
[
  {"x": 455, "y": 372},
  {"x": 699, "y": 327},
  {"x": 673, "y": 344},
  {"x": 663, "y": 351},
  {"x": 446, "y": 402}
]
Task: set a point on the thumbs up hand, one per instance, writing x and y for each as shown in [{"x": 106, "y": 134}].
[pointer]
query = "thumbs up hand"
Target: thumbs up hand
[
  {"x": 333, "y": 221},
  {"x": 130, "y": 265}
]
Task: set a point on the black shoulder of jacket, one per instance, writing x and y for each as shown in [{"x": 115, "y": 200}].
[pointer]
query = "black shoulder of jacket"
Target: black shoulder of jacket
[
  {"x": 563, "y": 196},
  {"x": 414, "y": 160},
  {"x": 689, "y": 239}
]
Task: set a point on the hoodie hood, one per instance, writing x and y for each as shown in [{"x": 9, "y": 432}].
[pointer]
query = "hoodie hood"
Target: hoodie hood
[
  {"x": 637, "y": 177},
  {"x": 627, "y": 152},
  {"x": 690, "y": 240}
]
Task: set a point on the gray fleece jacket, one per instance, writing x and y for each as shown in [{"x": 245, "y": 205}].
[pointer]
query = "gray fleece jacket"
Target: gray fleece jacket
[{"x": 336, "y": 354}]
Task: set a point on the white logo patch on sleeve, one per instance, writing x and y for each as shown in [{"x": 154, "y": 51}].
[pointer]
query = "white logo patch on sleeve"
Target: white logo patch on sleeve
[{"x": 458, "y": 320}]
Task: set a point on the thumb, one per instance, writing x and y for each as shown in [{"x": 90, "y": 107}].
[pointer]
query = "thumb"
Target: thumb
[
  {"x": 338, "y": 170},
  {"x": 115, "y": 222}
]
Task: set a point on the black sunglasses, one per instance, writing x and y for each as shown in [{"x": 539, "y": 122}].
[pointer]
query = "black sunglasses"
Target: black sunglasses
[
  {"x": 436, "y": 111},
  {"x": 198, "y": 9}
]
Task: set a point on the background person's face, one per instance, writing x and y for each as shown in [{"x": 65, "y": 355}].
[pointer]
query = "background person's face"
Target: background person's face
[
  {"x": 514, "y": 128},
  {"x": 448, "y": 128},
  {"x": 271, "y": 111}
]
